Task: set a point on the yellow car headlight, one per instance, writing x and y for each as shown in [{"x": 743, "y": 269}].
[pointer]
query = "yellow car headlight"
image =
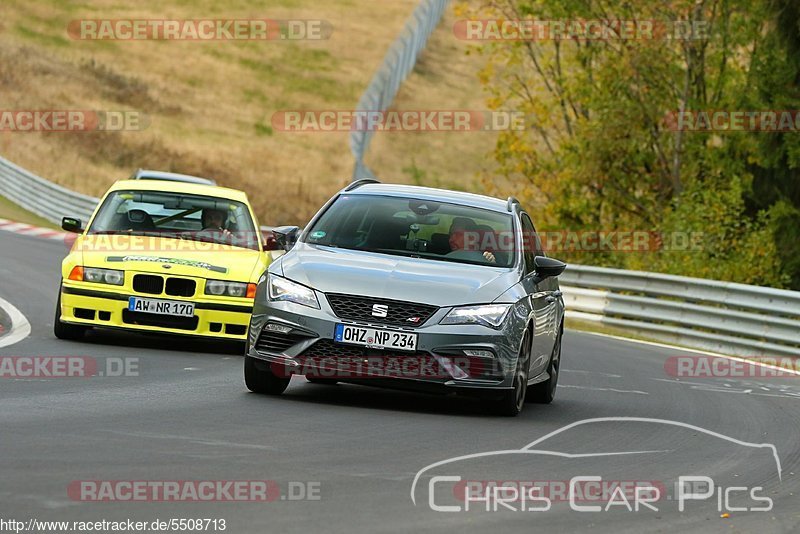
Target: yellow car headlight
[
  {"x": 221, "y": 288},
  {"x": 97, "y": 276}
]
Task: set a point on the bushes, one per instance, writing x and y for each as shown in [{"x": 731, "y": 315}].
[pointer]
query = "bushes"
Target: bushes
[{"x": 603, "y": 150}]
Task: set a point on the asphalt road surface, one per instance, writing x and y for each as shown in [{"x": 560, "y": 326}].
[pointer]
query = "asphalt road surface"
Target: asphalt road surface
[{"x": 182, "y": 413}]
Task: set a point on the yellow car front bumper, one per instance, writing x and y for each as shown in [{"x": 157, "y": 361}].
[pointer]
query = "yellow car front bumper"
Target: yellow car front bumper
[{"x": 85, "y": 305}]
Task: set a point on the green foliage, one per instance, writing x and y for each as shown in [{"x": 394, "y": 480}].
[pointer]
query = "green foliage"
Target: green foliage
[
  {"x": 416, "y": 174},
  {"x": 601, "y": 153},
  {"x": 420, "y": 176},
  {"x": 262, "y": 128}
]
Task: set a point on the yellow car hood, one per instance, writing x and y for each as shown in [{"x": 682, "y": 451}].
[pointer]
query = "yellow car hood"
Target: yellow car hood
[{"x": 168, "y": 256}]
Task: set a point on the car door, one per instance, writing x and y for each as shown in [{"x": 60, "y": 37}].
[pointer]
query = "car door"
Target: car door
[
  {"x": 541, "y": 298},
  {"x": 553, "y": 298}
]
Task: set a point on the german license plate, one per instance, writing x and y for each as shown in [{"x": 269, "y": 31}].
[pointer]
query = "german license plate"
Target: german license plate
[
  {"x": 161, "y": 307},
  {"x": 375, "y": 337}
]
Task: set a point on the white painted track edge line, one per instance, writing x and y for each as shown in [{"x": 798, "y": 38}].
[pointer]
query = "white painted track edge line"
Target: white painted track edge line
[
  {"x": 696, "y": 351},
  {"x": 20, "y": 327}
]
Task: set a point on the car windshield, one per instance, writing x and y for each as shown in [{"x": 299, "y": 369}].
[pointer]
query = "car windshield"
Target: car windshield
[
  {"x": 176, "y": 215},
  {"x": 417, "y": 228}
]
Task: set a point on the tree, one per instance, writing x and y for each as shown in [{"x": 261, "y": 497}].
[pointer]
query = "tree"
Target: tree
[{"x": 602, "y": 150}]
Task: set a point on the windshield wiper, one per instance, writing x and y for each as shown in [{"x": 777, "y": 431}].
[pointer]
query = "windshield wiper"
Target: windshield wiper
[
  {"x": 395, "y": 252},
  {"x": 389, "y": 251},
  {"x": 420, "y": 255}
]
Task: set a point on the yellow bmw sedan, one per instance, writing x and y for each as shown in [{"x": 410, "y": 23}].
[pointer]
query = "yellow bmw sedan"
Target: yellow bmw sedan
[{"x": 167, "y": 256}]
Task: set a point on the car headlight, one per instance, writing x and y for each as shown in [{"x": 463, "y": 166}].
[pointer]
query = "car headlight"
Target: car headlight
[
  {"x": 103, "y": 276},
  {"x": 488, "y": 315},
  {"x": 220, "y": 288},
  {"x": 284, "y": 289}
]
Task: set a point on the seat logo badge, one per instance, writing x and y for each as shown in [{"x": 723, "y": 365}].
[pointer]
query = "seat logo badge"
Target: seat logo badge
[{"x": 380, "y": 310}]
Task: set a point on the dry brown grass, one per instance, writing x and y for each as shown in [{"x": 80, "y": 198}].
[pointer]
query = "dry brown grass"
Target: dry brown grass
[
  {"x": 445, "y": 78},
  {"x": 209, "y": 104}
]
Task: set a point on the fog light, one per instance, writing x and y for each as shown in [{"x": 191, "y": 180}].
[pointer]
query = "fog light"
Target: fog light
[
  {"x": 282, "y": 329},
  {"x": 479, "y": 353}
]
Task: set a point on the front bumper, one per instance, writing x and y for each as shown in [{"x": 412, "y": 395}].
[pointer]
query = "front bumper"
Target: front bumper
[
  {"x": 312, "y": 350},
  {"x": 84, "y": 304}
]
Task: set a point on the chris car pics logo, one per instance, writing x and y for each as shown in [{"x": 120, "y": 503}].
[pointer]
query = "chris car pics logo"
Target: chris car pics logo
[{"x": 446, "y": 489}]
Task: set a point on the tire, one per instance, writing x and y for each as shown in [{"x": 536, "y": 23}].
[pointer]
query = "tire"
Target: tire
[
  {"x": 512, "y": 401},
  {"x": 63, "y": 330},
  {"x": 259, "y": 378},
  {"x": 545, "y": 392},
  {"x": 323, "y": 381}
]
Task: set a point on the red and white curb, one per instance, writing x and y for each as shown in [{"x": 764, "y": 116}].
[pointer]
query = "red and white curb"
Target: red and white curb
[{"x": 30, "y": 230}]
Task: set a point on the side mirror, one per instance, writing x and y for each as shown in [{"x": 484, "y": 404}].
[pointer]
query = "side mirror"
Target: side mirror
[
  {"x": 270, "y": 243},
  {"x": 547, "y": 267},
  {"x": 71, "y": 224},
  {"x": 286, "y": 236}
]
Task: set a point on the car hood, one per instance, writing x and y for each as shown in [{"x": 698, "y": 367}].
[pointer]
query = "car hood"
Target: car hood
[
  {"x": 371, "y": 274},
  {"x": 151, "y": 254}
]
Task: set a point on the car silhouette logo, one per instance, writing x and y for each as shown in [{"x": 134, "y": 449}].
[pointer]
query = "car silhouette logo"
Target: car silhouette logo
[{"x": 380, "y": 310}]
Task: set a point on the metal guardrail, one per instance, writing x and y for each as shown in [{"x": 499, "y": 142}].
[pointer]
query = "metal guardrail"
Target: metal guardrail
[
  {"x": 42, "y": 197},
  {"x": 48, "y": 200},
  {"x": 718, "y": 316},
  {"x": 397, "y": 65}
]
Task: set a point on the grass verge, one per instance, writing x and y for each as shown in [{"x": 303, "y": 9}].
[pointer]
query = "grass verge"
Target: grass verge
[{"x": 13, "y": 212}]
